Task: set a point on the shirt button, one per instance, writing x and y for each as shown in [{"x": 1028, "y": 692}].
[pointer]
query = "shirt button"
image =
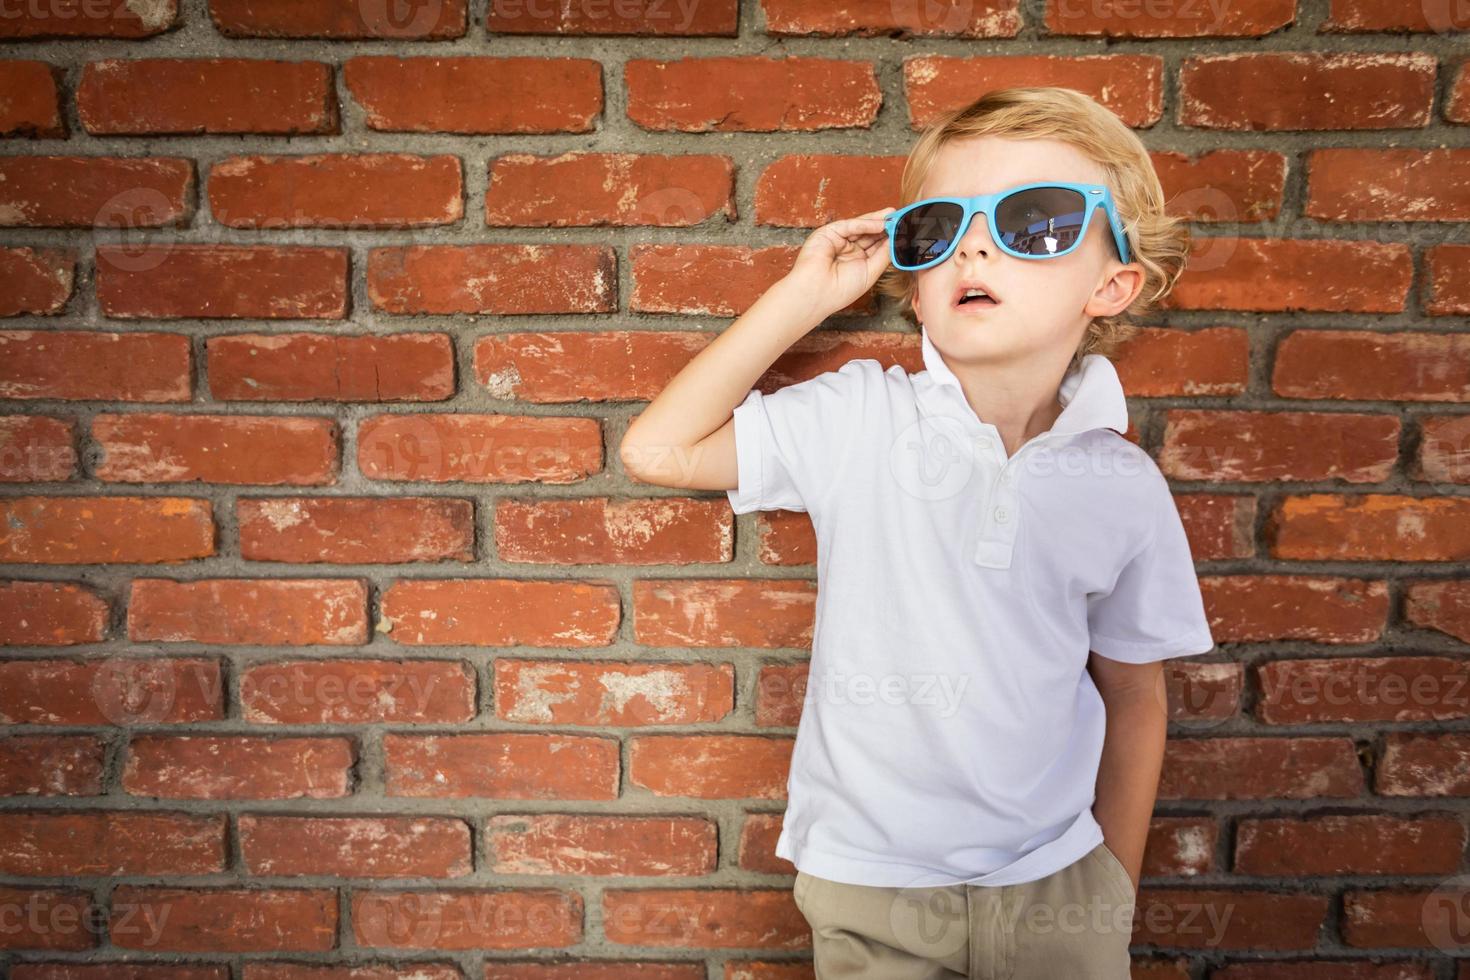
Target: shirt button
[{"x": 1002, "y": 514}]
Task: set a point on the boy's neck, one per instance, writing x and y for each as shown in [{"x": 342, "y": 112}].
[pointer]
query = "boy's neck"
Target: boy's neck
[{"x": 1021, "y": 398}]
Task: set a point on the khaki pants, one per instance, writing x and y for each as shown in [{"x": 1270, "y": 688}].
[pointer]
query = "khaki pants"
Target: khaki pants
[{"x": 1074, "y": 924}]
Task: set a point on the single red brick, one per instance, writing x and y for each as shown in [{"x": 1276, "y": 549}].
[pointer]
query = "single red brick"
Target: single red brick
[
  {"x": 475, "y": 95},
  {"x": 36, "y": 281},
  {"x": 101, "y": 843},
  {"x": 355, "y": 530},
  {"x": 224, "y": 920},
  {"x": 123, "y": 19},
  {"x": 157, "y": 447},
  {"x": 808, "y": 190},
  {"x": 1218, "y": 525},
  {"x": 1369, "y": 527},
  {"x": 1403, "y": 916},
  {"x": 355, "y": 846},
  {"x": 572, "y": 366},
  {"x": 1378, "y": 16},
  {"x": 262, "y": 612},
  {"x": 79, "y": 365},
  {"x": 32, "y": 107},
  {"x": 1222, "y": 185},
  {"x": 470, "y": 448},
  {"x": 1204, "y": 694},
  {"x": 95, "y": 530},
  {"x": 185, "y": 96},
  {"x": 1363, "y": 689},
  {"x": 711, "y": 767},
  {"x": 1348, "y": 844},
  {"x": 1442, "y": 449},
  {"x": 1129, "y": 86},
  {"x": 358, "y": 692},
  {"x": 1208, "y": 444},
  {"x": 603, "y": 693},
  {"x": 1169, "y": 20},
  {"x": 1230, "y": 919},
  {"x": 498, "y": 279},
  {"x": 1243, "y": 768},
  {"x": 96, "y": 192},
  {"x": 52, "y": 919},
  {"x": 1355, "y": 184},
  {"x": 1424, "y": 764},
  {"x": 340, "y": 20},
  {"x": 123, "y": 691},
  {"x": 1307, "y": 90},
  {"x": 870, "y": 18},
  {"x": 620, "y": 189},
  {"x": 602, "y": 531},
  {"x": 112, "y": 970},
  {"x": 303, "y": 367},
  {"x": 757, "y": 848},
  {"x": 711, "y": 280},
  {"x": 51, "y": 765},
  {"x": 237, "y": 767},
  {"x": 1181, "y": 846},
  {"x": 1447, "y": 272},
  {"x": 781, "y": 691},
  {"x": 36, "y": 449},
  {"x": 336, "y": 190},
  {"x": 724, "y": 612},
  {"x": 467, "y": 919},
  {"x": 1372, "y": 365},
  {"x": 621, "y": 969},
  {"x": 1440, "y": 604},
  {"x": 500, "y": 612},
  {"x": 604, "y": 845},
  {"x": 705, "y": 918},
  {"x": 1457, "y": 103},
  {"x": 269, "y": 282},
  {"x": 751, "y": 94},
  {"x": 1275, "y": 275},
  {"x": 50, "y": 614},
  {"x": 1167, "y": 361},
  {"x": 501, "y": 765},
  {"x": 396, "y": 970},
  {"x": 1314, "y": 608},
  {"x": 717, "y": 18}
]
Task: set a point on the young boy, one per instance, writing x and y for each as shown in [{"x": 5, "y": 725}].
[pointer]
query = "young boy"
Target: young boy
[{"x": 1000, "y": 571}]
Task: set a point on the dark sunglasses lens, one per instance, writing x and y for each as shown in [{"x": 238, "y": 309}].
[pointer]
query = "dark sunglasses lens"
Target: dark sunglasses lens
[
  {"x": 926, "y": 232},
  {"x": 1041, "y": 221}
]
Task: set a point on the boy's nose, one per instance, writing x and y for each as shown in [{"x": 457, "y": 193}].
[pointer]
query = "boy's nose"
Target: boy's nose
[{"x": 976, "y": 239}]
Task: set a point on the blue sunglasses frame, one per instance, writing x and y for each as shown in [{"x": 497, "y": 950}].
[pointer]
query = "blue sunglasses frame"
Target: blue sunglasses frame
[{"x": 1093, "y": 196}]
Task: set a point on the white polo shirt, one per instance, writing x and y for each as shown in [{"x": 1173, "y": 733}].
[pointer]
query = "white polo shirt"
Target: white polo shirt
[{"x": 951, "y": 732}]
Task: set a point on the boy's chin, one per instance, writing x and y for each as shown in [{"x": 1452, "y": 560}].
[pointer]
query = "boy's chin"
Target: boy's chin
[{"x": 974, "y": 342}]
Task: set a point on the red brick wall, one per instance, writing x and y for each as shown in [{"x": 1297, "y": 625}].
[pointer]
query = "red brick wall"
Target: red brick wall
[{"x": 319, "y": 564}]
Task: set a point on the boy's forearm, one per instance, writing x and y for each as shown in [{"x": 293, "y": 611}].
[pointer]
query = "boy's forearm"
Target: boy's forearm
[
  {"x": 1128, "y": 775},
  {"x": 700, "y": 398}
]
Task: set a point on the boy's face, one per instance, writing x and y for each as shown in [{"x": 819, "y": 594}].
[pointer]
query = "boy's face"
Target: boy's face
[{"x": 1044, "y": 305}]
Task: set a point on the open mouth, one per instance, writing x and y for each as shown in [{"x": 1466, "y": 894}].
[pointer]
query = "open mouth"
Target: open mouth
[{"x": 970, "y": 300}]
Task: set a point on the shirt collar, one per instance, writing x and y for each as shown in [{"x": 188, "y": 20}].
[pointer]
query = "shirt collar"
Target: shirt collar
[{"x": 1091, "y": 394}]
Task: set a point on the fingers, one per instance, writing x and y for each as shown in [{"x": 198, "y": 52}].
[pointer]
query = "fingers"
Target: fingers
[{"x": 872, "y": 218}]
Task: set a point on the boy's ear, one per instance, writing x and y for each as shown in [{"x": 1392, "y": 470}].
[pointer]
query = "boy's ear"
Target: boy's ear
[{"x": 1117, "y": 291}]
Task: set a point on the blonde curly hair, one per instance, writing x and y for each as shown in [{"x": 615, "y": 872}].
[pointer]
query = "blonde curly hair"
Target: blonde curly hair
[{"x": 1157, "y": 241}]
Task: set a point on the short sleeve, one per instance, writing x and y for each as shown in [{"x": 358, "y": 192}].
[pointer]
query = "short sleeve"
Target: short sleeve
[
  {"x": 789, "y": 444},
  {"x": 1154, "y": 610}
]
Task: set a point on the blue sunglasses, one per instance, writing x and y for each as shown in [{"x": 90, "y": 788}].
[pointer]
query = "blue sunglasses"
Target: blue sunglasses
[{"x": 1043, "y": 220}]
